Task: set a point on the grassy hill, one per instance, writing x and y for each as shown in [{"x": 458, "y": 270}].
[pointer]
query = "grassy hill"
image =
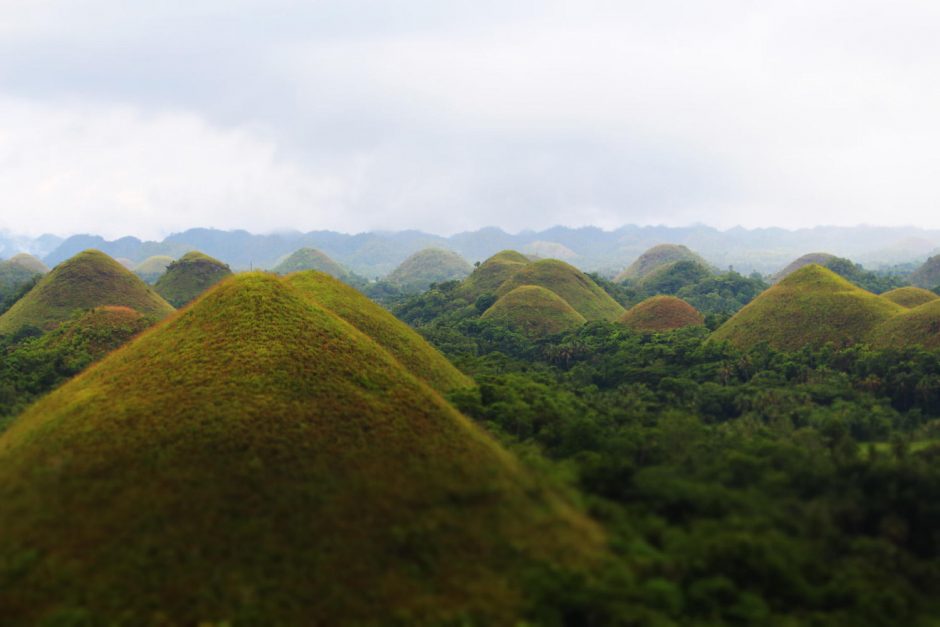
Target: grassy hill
[
  {"x": 431, "y": 265},
  {"x": 820, "y": 259},
  {"x": 87, "y": 280},
  {"x": 661, "y": 313},
  {"x": 310, "y": 259},
  {"x": 393, "y": 335},
  {"x": 534, "y": 311},
  {"x": 189, "y": 276},
  {"x": 672, "y": 277},
  {"x": 152, "y": 268},
  {"x": 928, "y": 275},
  {"x": 656, "y": 258},
  {"x": 919, "y": 326},
  {"x": 575, "y": 287},
  {"x": 811, "y": 307},
  {"x": 910, "y": 297},
  {"x": 492, "y": 273},
  {"x": 549, "y": 250},
  {"x": 16, "y": 273},
  {"x": 258, "y": 460},
  {"x": 28, "y": 262}
]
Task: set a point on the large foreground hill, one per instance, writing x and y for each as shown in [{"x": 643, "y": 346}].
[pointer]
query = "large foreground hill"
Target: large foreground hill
[{"x": 259, "y": 460}]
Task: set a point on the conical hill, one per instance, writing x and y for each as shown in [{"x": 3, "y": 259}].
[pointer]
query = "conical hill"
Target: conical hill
[
  {"x": 492, "y": 273},
  {"x": 534, "y": 311},
  {"x": 87, "y": 280},
  {"x": 919, "y": 326},
  {"x": 811, "y": 307},
  {"x": 29, "y": 262},
  {"x": 656, "y": 258},
  {"x": 910, "y": 296},
  {"x": 821, "y": 259},
  {"x": 189, "y": 276},
  {"x": 661, "y": 313},
  {"x": 431, "y": 265},
  {"x": 257, "y": 460},
  {"x": 310, "y": 259},
  {"x": 403, "y": 342},
  {"x": 152, "y": 268},
  {"x": 575, "y": 287}
]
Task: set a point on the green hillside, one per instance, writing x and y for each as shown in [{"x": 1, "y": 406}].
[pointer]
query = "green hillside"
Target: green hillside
[
  {"x": 189, "y": 276},
  {"x": 919, "y": 326},
  {"x": 575, "y": 287},
  {"x": 28, "y": 262},
  {"x": 152, "y": 268},
  {"x": 534, "y": 311},
  {"x": 492, "y": 273},
  {"x": 811, "y": 307},
  {"x": 87, "y": 280},
  {"x": 910, "y": 297},
  {"x": 656, "y": 258},
  {"x": 821, "y": 259},
  {"x": 310, "y": 259},
  {"x": 300, "y": 476},
  {"x": 672, "y": 277},
  {"x": 16, "y": 273},
  {"x": 928, "y": 275},
  {"x": 393, "y": 335},
  {"x": 661, "y": 313},
  {"x": 431, "y": 265}
]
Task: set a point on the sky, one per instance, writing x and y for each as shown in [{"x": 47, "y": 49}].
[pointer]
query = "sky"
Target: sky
[{"x": 146, "y": 118}]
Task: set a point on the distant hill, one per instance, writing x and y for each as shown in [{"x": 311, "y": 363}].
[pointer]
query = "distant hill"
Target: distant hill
[
  {"x": 534, "y": 311},
  {"x": 661, "y": 313},
  {"x": 189, "y": 276},
  {"x": 28, "y": 262},
  {"x": 910, "y": 297},
  {"x": 549, "y": 250},
  {"x": 310, "y": 259},
  {"x": 152, "y": 268},
  {"x": 811, "y": 307},
  {"x": 400, "y": 340},
  {"x": 822, "y": 259},
  {"x": 919, "y": 326},
  {"x": 89, "y": 279},
  {"x": 259, "y": 460},
  {"x": 657, "y": 258},
  {"x": 672, "y": 277},
  {"x": 15, "y": 275},
  {"x": 928, "y": 275},
  {"x": 572, "y": 285},
  {"x": 492, "y": 273},
  {"x": 431, "y": 265}
]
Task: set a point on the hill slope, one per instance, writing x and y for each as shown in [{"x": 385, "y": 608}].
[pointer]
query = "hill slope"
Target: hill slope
[
  {"x": 189, "y": 276},
  {"x": 928, "y": 275},
  {"x": 492, "y": 273},
  {"x": 299, "y": 476},
  {"x": 910, "y": 297},
  {"x": 152, "y": 268},
  {"x": 575, "y": 287},
  {"x": 656, "y": 258},
  {"x": 431, "y": 265},
  {"x": 919, "y": 326},
  {"x": 403, "y": 342},
  {"x": 16, "y": 273},
  {"x": 661, "y": 313},
  {"x": 310, "y": 259},
  {"x": 821, "y": 259},
  {"x": 534, "y": 311},
  {"x": 87, "y": 280},
  {"x": 811, "y": 307},
  {"x": 28, "y": 262}
]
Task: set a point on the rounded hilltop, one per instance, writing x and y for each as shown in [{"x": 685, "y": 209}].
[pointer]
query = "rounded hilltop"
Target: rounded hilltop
[
  {"x": 29, "y": 263},
  {"x": 661, "y": 313},
  {"x": 819, "y": 259},
  {"x": 492, "y": 273},
  {"x": 573, "y": 286},
  {"x": 89, "y": 279},
  {"x": 811, "y": 307},
  {"x": 910, "y": 296},
  {"x": 152, "y": 268},
  {"x": 656, "y": 258},
  {"x": 301, "y": 475},
  {"x": 919, "y": 326},
  {"x": 189, "y": 276},
  {"x": 310, "y": 259},
  {"x": 427, "y": 266},
  {"x": 534, "y": 311}
]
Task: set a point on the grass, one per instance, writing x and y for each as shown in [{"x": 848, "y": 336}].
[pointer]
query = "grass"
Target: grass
[
  {"x": 258, "y": 460},
  {"x": 189, "y": 276},
  {"x": 534, "y": 311},
  {"x": 572, "y": 285},
  {"x": 152, "y": 268},
  {"x": 396, "y": 337},
  {"x": 811, "y": 307},
  {"x": 655, "y": 258},
  {"x": 919, "y": 326},
  {"x": 310, "y": 259},
  {"x": 431, "y": 265},
  {"x": 910, "y": 297},
  {"x": 928, "y": 275},
  {"x": 28, "y": 262},
  {"x": 87, "y": 280},
  {"x": 492, "y": 273},
  {"x": 821, "y": 259},
  {"x": 661, "y": 313}
]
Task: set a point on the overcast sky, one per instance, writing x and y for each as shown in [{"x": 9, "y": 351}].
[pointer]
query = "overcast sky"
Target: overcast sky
[{"x": 125, "y": 118}]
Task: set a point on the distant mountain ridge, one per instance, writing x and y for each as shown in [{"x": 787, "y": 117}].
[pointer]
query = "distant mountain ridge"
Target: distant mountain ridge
[{"x": 375, "y": 254}]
